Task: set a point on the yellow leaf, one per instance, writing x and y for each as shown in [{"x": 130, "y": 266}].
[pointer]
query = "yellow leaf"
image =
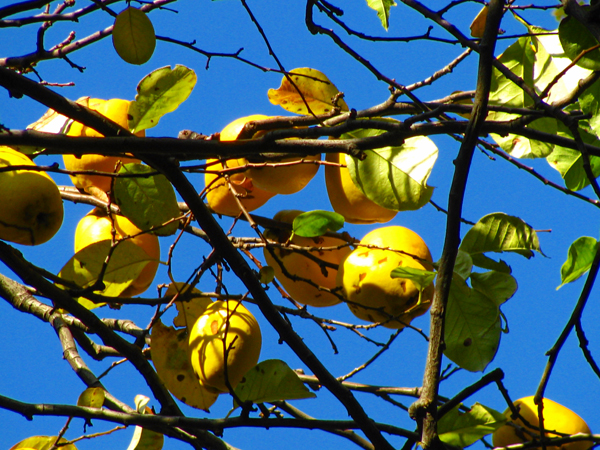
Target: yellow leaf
[
  {"x": 92, "y": 397},
  {"x": 189, "y": 306},
  {"x": 170, "y": 355},
  {"x": 42, "y": 443},
  {"x": 315, "y": 87},
  {"x": 478, "y": 24},
  {"x": 133, "y": 36}
]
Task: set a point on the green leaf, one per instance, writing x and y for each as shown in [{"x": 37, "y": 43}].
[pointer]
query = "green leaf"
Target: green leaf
[
  {"x": 126, "y": 263},
  {"x": 148, "y": 201},
  {"x": 589, "y": 102},
  {"x": 575, "y": 38},
  {"x": 92, "y": 397},
  {"x": 421, "y": 278},
  {"x": 394, "y": 177},
  {"x": 43, "y": 443},
  {"x": 133, "y": 36},
  {"x": 266, "y": 274},
  {"x": 382, "y": 7},
  {"x": 158, "y": 93},
  {"x": 569, "y": 163},
  {"x": 317, "y": 223},
  {"x": 269, "y": 381},
  {"x": 316, "y": 89},
  {"x": 497, "y": 286},
  {"x": 499, "y": 232},
  {"x": 481, "y": 260},
  {"x": 472, "y": 327},
  {"x": 461, "y": 429},
  {"x": 463, "y": 264},
  {"x": 579, "y": 259}
]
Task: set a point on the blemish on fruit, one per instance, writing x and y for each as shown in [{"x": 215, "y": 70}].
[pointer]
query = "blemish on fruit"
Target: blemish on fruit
[{"x": 214, "y": 327}]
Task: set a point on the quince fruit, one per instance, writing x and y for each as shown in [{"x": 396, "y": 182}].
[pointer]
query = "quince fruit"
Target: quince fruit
[
  {"x": 224, "y": 344},
  {"x": 556, "y": 418},
  {"x": 301, "y": 266},
  {"x": 97, "y": 226},
  {"x": 372, "y": 293},
  {"x": 98, "y": 185},
  {"x": 31, "y": 209},
  {"x": 347, "y": 199}
]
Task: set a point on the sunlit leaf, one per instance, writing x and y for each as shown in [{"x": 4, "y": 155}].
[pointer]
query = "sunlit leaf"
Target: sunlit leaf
[
  {"x": 126, "y": 263},
  {"x": 158, "y": 93},
  {"x": 481, "y": 260},
  {"x": 497, "y": 286},
  {"x": 421, "y": 278},
  {"x": 382, "y": 7},
  {"x": 499, "y": 232},
  {"x": 569, "y": 163},
  {"x": 461, "y": 429},
  {"x": 314, "y": 86},
  {"x": 575, "y": 38},
  {"x": 579, "y": 259},
  {"x": 148, "y": 201},
  {"x": 472, "y": 327},
  {"x": 133, "y": 36},
  {"x": 144, "y": 439},
  {"x": 92, "y": 397},
  {"x": 317, "y": 223},
  {"x": 478, "y": 24},
  {"x": 589, "y": 102},
  {"x": 270, "y": 381},
  {"x": 395, "y": 177},
  {"x": 171, "y": 358},
  {"x": 43, "y": 443}
]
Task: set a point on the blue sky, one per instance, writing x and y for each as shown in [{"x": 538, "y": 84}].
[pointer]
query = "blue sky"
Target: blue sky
[{"x": 31, "y": 357}]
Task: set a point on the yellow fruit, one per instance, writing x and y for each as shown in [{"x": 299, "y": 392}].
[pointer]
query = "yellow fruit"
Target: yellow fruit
[
  {"x": 96, "y": 226},
  {"x": 282, "y": 179},
  {"x": 366, "y": 282},
  {"x": 31, "y": 209},
  {"x": 556, "y": 418},
  {"x": 303, "y": 267},
  {"x": 117, "y": 111},
  {"x": 225, "y": 327},
  {"x": 347, "y": 199},
  {"x": 219, "y": 197}
]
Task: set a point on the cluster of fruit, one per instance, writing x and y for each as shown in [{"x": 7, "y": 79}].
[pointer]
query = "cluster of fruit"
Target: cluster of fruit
[{"x": 363, "y": 280}]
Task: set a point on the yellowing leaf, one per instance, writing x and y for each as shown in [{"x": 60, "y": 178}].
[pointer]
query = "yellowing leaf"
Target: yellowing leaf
[
  {"x": 383, "y": 10},
  {"x": 170, "y": 355},
  {"x": 478, "y": 24},
  {"x": 133, "y": 36},
  {"x": 42, "y": 443},
  {"x": 144, "y": 439},
  {"x": 92, "y": 397},
  {"x": 269, "y": 381},
  {"x": 189, "y": 305},
  {"x": 126, "y": 263},
  {"x": 158, "y": 93},
  {"x": 314, "y": 86}
]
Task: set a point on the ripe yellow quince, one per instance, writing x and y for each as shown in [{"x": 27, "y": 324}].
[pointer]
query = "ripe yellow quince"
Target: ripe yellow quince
[
  {"x": 299, "y": 265},
  {"x": 31, "y": 209},
  {"x": 116, "y": 110},
  {"x": 556, "y": 418},
  {"x": 225, "y": 328},
  {"x": 347, "y": 199},
  {"x": 97, "y": 226},
  {"x": 372, "y": 293}
]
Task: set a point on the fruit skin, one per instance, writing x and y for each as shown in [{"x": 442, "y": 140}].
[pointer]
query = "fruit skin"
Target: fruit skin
[
  {"x": 556, "y": 418},
  {"x": 365, "y": 277},
  {"x": 97, "y": 226},
  {"x": 219, "y": 197},
  {"x": 116, "y": 110},
  {"x": 242, "y": 337},
  {"x": 281, "y": 180},
  {"x": 31, "y": 209},
  {"x": 347, "y": 199},
  {"x": 301, "y": 266}
]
